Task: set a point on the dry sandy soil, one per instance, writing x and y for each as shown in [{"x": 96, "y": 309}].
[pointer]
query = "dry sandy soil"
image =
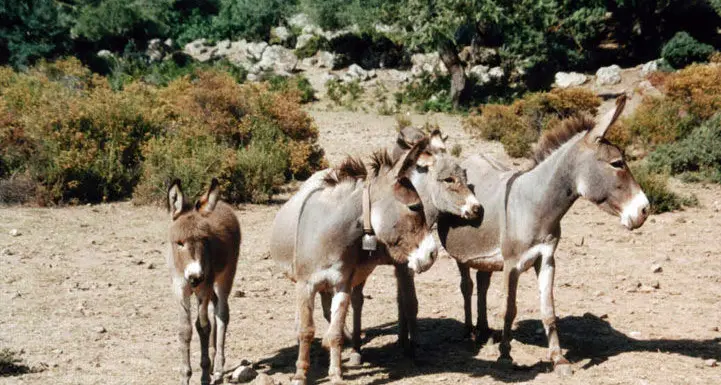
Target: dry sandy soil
[{"x": 86, "y": 295}]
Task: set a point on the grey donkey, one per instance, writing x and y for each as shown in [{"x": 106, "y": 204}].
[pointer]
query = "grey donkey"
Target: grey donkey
[
  {"x": 316, "y": 241},
  {"x": 204, "y": 241},
  {"x": 521, "y": 225},
  {"x": 442, "y": 186}
]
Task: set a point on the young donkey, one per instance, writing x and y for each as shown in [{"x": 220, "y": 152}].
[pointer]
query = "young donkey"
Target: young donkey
[
  {"x": 327, "y": 216},
  {"x": 442, "y": 187},
  {"x": 204, "y": 244},
  {"x": 522, "y": 217}
]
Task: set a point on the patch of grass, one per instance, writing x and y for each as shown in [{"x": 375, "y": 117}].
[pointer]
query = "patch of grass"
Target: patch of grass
[
  {"x": 456, "y": 150},
  {"x": 315, "y": 44},
  {"x": 402, "y": 121},
  {"x": 344, "y": 94},
  {"x": 297, "y": 83}
]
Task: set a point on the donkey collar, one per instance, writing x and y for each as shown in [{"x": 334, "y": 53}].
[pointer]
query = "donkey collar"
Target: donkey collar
[{"x": 367, "y": 227}]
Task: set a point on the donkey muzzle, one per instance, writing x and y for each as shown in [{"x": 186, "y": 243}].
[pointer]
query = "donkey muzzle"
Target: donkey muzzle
[
  {"x": 194, "y": 274},
  {"x": 422, "y": 258},
  {"x": 472, "y": 209},
  {"x": 635, "y": 211}
]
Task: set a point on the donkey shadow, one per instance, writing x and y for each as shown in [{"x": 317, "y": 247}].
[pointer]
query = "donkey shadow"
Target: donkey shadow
[
  {"x": 442, "y": 349},
  {"x": 593, "y": 338}
]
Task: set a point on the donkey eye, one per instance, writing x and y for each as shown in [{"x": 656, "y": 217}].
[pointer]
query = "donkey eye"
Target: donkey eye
[
  {"x": 618, "y": 164},
  {"x": 415, "y": 206},
  {"x": 449, "y": 180},
  {"x": 180, "y": 244}
]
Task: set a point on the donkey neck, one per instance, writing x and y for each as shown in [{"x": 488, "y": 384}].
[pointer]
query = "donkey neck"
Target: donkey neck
[
  {"x": 421, "y": 181},
  {"x": 547, "y": 191}
]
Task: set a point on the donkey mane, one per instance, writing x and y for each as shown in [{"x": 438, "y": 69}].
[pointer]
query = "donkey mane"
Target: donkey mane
[
  {"x": 350, "y": 169},
  {"x": 381, "y": 159},
  {"x": 562, "y": 133}
]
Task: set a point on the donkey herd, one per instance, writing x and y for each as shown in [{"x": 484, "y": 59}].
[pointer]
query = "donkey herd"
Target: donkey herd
[{"x": 343, "y": 222}]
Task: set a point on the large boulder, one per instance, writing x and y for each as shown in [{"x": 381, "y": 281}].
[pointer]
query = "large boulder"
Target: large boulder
[
  {"x": 157, "y": 50},
  {"x": 280, "y": 35},
  {"x": 569, "y": 79},
  {"x": 200, "y": 50},
  {"x": 480, "y": 73},
  {"x": 278, "y": 59},
  {"x": 496, "y": 73},
  {"x": 427, "y": 62},
  {"x": 326, "y": 59},
  {"x": 299, "y": 21},
  {"x": 303, "y": 40},
  {"x": 356, "y": 72},
  {"x": 256, "y": 50},
  {"x": 608, "y": 76}
]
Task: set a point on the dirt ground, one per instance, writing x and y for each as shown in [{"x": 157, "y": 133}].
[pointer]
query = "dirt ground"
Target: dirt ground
[{"x": 85, "y": 294}]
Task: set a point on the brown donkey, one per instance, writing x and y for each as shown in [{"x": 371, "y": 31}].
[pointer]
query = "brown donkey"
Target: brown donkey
[
  {"x": 522, "y": 217},
  {"x": 317, "y": 240},
  {"x": 204, "y": 244}
]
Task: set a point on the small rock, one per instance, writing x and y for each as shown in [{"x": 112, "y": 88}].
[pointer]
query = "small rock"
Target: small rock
[
  {"x": 303, "y": 40},
  {"x": 57, "y": 351},
  {"x": 635, "y": 334},
  {"x": 15, "y": 233},
  {"x": 650, "y": 67},
  {"x": 243, "y": 373},
  {"x": 99, "y": 329},
  {"x": 657, "y": 268},
  {"x": 263, "y": 379},
  {"x": 139, "y": 262},
  {"x": 282, "y": 34},
  {"x": 239, "y": 294},
  {"x": 656, "y": 285},
  {"x": 496, "y": 73},
  {"x": 711, "y": 363},
  {"x": 598, "y": 293},
  {"x": 714, "y": 328},
  {"x": 151, "y": 266},
  {"x": 8, "y": 252}
]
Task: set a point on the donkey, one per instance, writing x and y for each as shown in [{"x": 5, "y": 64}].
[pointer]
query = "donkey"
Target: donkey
[
  {"x": 202, "y": 257},
  {"x": 522, "y": 215},
  {"x": 329, "y": 216},
  {"x": 442, "y": 187}
]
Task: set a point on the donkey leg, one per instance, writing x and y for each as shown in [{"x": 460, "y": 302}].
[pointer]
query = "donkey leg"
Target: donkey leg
[
  {"x": 202, "y": 325},
  {"x": 510, "y": 275},
  {"x": 222, "y": 318},
  {"x": 185, "y": 332},
  {"x": 357, "y": 301},
  {"x": 408, "y": 310},
  {"x": 545, "y": 271},
  {"x": 483, "y": 280},
  {"x": 212, "y": 306},
  {"x": 325, "y": 299},
  {"x": 467, "y": 291},
  {"x": 305, "y": 295},
  {"x": 333, "y": 339}
]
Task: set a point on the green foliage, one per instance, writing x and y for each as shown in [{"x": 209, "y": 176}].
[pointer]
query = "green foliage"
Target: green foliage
[
  {"x": 661, "y": 198},
  {"x": 251, "y": 19},
  {"x": 315, "y": 44},
  {"x": 683, "y": 50},
  {"x": 80, "y": 141},
  {"x": 113, "y": 22},
  {"x": 428, "y": 92},
  {"x": 456, "y": 150},
  {"x": 344, "y": 93},
  {"x": 30, "y": 30},
  {"x": 337, "y": 14},
  {"x": 696, "y": 157},
  {"x": 297, "y": 83}
]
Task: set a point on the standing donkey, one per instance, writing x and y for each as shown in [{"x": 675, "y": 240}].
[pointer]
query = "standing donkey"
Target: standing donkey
[
  {"x": 204, "y": 244},
  {"x": 442, "y": 187},
  {"x": 522, "y": 218},
  {"x": 328, "y": 218}
]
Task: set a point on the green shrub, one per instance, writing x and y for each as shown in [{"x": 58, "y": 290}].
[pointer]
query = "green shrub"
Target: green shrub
[
  {"x": 344, "y": 93},
  {"x": 297, "y": 83},
  {"x": 250, "y": 19},
  {"x": 315, "y": 44},
  {"x": 661, "y": 198},
  {"x": 683, "y": 50},
  {"x": 696, "y": 157},
  {"x": 67, "y": 131}
]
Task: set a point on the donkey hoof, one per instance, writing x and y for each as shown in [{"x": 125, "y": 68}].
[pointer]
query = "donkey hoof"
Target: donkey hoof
[
  {"x": 217, "y": 378},
  {"x": 505, "y": 363},
  {"x": 563, "y": 369},
  {"x": 337, "y": 381},
  {"x": 297, "y": 381},
  {"x": 355, "y": 359}
]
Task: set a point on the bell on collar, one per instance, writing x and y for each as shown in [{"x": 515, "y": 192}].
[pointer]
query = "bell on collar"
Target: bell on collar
[{"x": 369, "y": 242}]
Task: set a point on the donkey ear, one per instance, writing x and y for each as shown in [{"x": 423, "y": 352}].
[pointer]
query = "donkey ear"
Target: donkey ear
[
  {"x": 602, "y": 126},
  {"x": 438, "y": 141},
  {"x": 411, "y": 158},
  {"x": 208, "y": 201},
  {"x": 176, "y": 200},
  {"x": 409, "y": 136}
]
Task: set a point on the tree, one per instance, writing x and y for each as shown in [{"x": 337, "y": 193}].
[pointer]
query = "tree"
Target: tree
[{"x": 30, "y": 30}]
